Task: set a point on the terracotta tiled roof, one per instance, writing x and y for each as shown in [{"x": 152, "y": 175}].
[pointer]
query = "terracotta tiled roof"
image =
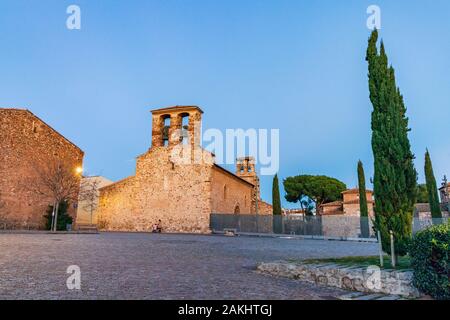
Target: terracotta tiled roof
[
  {"x": 176, "y": 108},
  {"x": 216, "y": 166},
  {"x": 354, "y": 190},
  {"x": 332, "y": 204}
]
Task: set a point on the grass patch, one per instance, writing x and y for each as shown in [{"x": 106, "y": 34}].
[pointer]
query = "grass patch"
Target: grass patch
[{"x": 402, "y": 264}]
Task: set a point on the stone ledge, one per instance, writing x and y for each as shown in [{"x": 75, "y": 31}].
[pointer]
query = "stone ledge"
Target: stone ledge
[
  {"x": 390, "y": 282},
  {"x": 299, "y": 237},
  {"x": 45, "y": 232}
]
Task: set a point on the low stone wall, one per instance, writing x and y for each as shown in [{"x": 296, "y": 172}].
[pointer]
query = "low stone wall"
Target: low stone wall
[{"x": 350, "y": 278}]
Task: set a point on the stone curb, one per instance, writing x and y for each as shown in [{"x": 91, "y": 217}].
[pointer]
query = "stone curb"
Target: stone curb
[
  {"x": 391, "y": 282},
  {"x": 298, "y": 237}
]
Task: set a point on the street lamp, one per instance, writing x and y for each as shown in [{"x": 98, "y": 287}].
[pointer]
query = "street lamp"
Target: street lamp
[{"x": 79, "y": 170}]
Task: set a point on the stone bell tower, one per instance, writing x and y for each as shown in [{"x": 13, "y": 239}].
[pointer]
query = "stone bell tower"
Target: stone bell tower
[
  {"x": 176, "y": 125},
  {"x": 245, "y": 169}
]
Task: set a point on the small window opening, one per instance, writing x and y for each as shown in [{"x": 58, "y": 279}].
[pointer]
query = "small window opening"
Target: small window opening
[
  {"x": 184, "y": 129},
  {"x": 165, "y": 130}
]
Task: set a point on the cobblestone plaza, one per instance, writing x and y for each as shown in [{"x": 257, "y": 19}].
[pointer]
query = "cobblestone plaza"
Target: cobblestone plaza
[{"x": 148, "y": 266}]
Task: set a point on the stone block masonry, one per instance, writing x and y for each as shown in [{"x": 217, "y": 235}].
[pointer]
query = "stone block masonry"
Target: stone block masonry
[
  {"x": 350, "y": 278},
  {"x": 182, "y": 192},
  {"x": 27, "y": 142}
]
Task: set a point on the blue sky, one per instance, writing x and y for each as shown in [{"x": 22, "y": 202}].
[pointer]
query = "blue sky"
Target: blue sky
[{"x": 294, "y": 65}]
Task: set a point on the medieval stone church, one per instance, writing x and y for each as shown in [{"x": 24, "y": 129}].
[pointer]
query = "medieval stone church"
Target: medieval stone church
[{"x": 178, "y": 182}]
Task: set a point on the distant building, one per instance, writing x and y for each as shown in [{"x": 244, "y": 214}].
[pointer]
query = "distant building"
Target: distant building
[
  {"x": 445, "y": 194},
  {"x": 349, "y": 206},
  {"x": 27, "y": 142},
  {"x": 245, "y": 169}
]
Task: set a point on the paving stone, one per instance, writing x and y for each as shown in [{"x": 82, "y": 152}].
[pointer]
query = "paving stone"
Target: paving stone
[{"x": 150, "y": 266}]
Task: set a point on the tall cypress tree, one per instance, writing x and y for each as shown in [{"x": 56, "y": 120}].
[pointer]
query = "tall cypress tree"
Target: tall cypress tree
[
  {"x": 276, "y": 202},
  {"x": 364, "y": 221},
  {"x": 395, "y": 177},
  {"x": 433, "y": 196}
]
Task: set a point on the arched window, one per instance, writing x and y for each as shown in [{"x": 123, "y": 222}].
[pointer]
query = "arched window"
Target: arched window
[
  {"x": 237, "y": 210},
  {"x": 225, "y": 191}
]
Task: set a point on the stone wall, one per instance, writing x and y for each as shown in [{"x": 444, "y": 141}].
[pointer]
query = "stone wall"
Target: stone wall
[
  {"x": 89, "y": 197},
  {"x": 264, "y": 208},
  {"x": 354, "y": 210},
  {"x": 178, "y": 195},
  {"x": 176, "y": 182},
  {"x": 27, "y": 144},
  {"x": 229, "y": 193},
  {"x": 370, "y": 280}
]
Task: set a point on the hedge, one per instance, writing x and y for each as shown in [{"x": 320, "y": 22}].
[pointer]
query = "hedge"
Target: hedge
[{"x": 429, "y": 253}]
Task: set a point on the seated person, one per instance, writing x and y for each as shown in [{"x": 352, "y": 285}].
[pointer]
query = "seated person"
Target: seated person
[{"x": 159, "y": 226}]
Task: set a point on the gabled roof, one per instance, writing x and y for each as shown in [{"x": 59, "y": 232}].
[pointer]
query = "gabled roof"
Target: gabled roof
[
  {"x": 46, "y": 124},
  {"x": 176, "y": 108},
  {"x": 332, "y": 204},
  {"x": 354, "y": 190},
  {"x": 216, "y": 166}
]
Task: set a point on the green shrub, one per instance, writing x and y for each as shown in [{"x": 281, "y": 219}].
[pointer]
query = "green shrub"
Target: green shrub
[
  {"x": 429, "y": 252},
  {"x": 63, "y": 217}
]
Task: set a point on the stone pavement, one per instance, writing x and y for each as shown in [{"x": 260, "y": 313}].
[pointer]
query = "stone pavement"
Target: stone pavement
[{"x": 151, "y": 266}]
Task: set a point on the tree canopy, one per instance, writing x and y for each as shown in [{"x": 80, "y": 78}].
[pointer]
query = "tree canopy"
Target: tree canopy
[
  {"x": 320, "y": 189},
  {"x": 422, "y": 193},
  {"x": 395, "y": 178},
  {"x": 276, "y": 201},
  {"x": 433, "y": 195}
]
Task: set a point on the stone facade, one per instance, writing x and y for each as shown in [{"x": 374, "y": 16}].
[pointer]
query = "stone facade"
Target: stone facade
[
  {"x": 26, "y": 144},
  {"x": 264, "y": 208},
  {"x": 89, "y": 198},
  {"x": 176, "y": 182},
  {"x": 349, "y": 206}
]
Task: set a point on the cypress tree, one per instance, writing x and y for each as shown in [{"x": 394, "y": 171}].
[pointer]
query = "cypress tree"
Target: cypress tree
[
  {"x": 364, "y": 220},
  {"x": 276, "y": 202},
  {"x": 395, "y": 178},
  {"x": 433, "y": 196}
]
